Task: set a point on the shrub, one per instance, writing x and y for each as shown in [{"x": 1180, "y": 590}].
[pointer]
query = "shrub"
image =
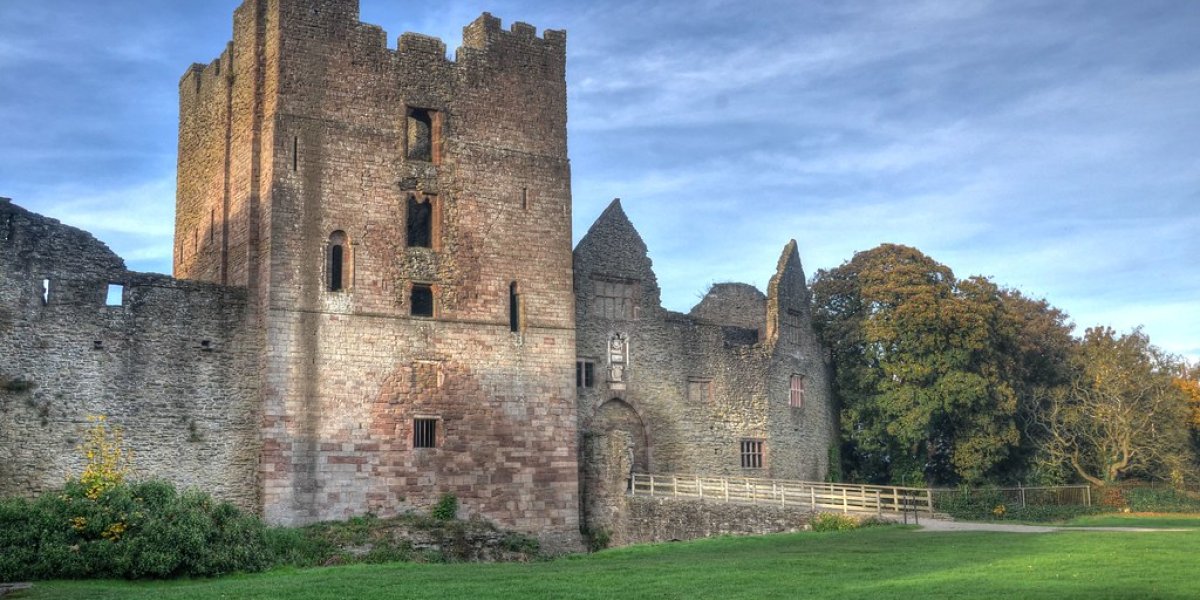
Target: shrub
[
  {"x": 834, "y": 522},
  {"x": 446, "y": 508},
  {"x": 1159, "y": 499}
]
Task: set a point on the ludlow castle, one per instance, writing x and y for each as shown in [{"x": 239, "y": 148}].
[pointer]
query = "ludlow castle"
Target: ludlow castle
[{"x": 375, "y": 300}]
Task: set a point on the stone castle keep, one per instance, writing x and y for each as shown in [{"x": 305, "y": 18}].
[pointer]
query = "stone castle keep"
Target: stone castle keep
[{"x": 376, "y": 301}]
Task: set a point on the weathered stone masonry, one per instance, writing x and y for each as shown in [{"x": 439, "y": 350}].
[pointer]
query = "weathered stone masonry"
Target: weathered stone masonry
[
  {"x": 172, "y": 362},
  {"x": 377, "y": 301}
]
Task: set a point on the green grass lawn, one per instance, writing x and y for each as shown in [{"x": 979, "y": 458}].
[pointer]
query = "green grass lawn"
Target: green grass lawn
[
  {"x": 1156, "y": 520},
  {"x": 876, "y": 563}
]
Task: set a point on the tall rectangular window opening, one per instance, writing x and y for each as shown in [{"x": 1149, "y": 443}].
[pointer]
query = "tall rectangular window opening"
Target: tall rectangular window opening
[
  {"x": 420, "y": 216},
  {"x": 585, "y": 374},
  {"x": 796, "y": 392},
  {"x": 424, "y": 433},
  {"x": 752, "y": 454},
  {"x": 338, "y": 262},
  {"x": 422, "y": 300},
  {"x": 514, "y": 308},
  {"x": 423, "y": 136},
  {"x": 115, "y": 296}
]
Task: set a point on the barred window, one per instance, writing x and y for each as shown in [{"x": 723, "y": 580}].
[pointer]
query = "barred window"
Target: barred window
[
  {"x": 752, "y": 454},
  {"x": 796, "y": 399},
  {"x": 424, "y": 433},
  {"x": 585, "y": 374}
]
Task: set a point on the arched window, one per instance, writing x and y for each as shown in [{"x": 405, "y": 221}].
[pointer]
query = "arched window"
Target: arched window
[
  {"x": 514, "y": 308},
  {"x": 420, "y": 222},
  {"x": 339, "y": 262}
]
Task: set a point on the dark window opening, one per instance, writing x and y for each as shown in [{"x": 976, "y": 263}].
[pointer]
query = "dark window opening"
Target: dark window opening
[
  {"x": 420, "y": 222},
  {"x": 585, "y": 374},
  {"x": 295, "y": 153},
  {"x": 115, "y": 295},
  {"x": 514, "y": 308},
  {"x": 212, "y": 225},
  {"x": 339, "y": 264},
  {"x": 422, "y": 300},
  {"x": 424, "y": 433},
  {"x": 421, "y": 134},
  {"x": 752, "y": 454},
  {"x": 335, "y": 268},
  {"x": 525, "y": 198}
]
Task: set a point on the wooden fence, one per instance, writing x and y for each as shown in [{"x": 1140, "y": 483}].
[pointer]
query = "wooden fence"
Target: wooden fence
[{"x": 812, "y": 495}]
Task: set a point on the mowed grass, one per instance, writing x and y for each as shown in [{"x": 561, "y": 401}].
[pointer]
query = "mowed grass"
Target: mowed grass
[
  {"x": 877, "y": 563},
  {"x": 1155, "y": 520}
]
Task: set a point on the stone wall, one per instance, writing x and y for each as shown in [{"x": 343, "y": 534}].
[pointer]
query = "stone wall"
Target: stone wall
[
  {"x": 692, "y": 388},
  {"x": 169, "y": 361},
  {"x": 611, "y": 513}
]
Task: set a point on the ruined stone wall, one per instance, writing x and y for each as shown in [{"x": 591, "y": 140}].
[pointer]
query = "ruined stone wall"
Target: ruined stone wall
[
  {"x": 343, "y": 366},
  {"x": 611, "y": 514},
  {"x": 699, "y": 384},
  {"x": 170, "y": 362}
]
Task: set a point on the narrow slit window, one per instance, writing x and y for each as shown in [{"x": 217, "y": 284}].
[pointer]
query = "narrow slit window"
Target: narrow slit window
[
  {"x": 796, "y": 392},
  {"x": 339, "y": 263},
  {"x": 585, "y": 374},
  {"x": 514, "y": 308},
  {"x": 422, "y": 300},
  {"x": 525, "y": 198},
  {"x": 420, "y": 221},
  {"x": 421, "y": 134},
  {"x": 45, "y": 292},
  {"x": 115, "y": 296},
  {"x": 752, "y": 454},
  {"x": 295, "y": 153},
  {"x": 424, "y": 433}
]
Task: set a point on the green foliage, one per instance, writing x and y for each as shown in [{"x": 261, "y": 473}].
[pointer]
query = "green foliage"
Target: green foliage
[
  {"x": 920, "y": 371},
  {"x": 1160, "y": 500},
  {"x": 991, "y": 505},
  {"x": 446, "y": 508},
  {"x": 826, "y": 521},
  {"x": 145, "y": 530},
  {"x": 1121, "y": 414},
  {"x": 597, "y": 539}
]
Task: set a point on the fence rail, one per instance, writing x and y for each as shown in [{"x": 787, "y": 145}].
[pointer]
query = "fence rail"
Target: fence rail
[
  {"x": 1061, "y": 495},
  {"x": 812, "y": 495}
]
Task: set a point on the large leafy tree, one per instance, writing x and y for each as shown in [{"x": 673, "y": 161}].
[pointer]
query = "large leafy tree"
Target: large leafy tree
[
  {"x": 923, "y": 381},
  {"x": 1122, "y": 413}
]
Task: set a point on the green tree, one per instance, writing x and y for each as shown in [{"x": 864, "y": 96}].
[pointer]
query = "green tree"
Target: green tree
[
  {"x": 921, "y": 377},
  {"x": 1121, "y": 413}
]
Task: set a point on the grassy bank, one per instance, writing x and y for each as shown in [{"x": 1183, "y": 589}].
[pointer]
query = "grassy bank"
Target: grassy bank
[{"x": 879, "y": 563}]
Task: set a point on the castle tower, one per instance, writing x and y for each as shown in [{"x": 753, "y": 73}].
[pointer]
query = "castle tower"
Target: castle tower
[{"x": 402, "y": 222}]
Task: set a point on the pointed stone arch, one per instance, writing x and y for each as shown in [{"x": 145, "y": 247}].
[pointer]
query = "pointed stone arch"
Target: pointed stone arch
[{"x": 616, "y": 414}]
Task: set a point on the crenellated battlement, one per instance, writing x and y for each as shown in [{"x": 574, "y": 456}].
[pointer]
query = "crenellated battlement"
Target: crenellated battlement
[{"x": 485, "y": 30}]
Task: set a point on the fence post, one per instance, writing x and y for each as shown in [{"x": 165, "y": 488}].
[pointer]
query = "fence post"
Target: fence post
[
  {"x": 878, "y": 504},
  {"x": 812, "y": 492},
  {"x": 1021, "y": 486},
  {"x": 845, "y": 502},
  {"x": 1087, "y": 490}
]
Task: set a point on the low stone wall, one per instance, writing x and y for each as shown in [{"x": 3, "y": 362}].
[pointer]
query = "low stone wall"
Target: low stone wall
[
  {"x": 666, "y": 519},
  {"x": 614, "y": 516}
]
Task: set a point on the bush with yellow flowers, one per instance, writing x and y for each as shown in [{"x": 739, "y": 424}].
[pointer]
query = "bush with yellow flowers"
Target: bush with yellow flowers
[{"x": 103, "y": 525}]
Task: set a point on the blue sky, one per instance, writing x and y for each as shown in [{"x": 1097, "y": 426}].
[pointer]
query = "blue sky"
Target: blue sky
[{"x": 1053, "y": 146}]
